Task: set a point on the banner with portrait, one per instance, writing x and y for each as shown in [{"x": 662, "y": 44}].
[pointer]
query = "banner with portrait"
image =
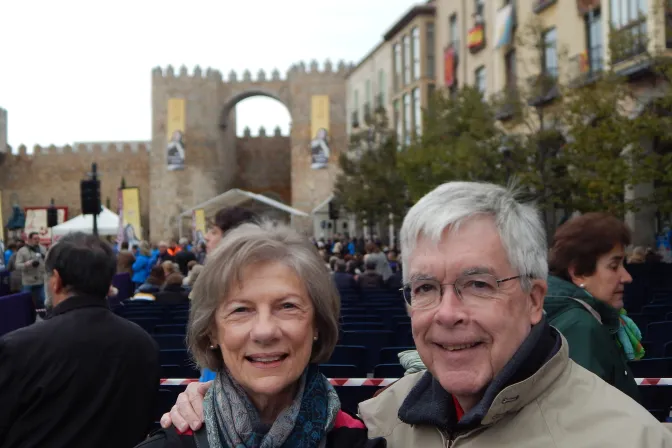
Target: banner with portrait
[
  {"x": 198, "y": 225},
  {"x": 36, "y": 221},
  {"x": 319, "y": 130},
  {"x": 130, "y": 226},
  {"x": 175, "y": 128}
]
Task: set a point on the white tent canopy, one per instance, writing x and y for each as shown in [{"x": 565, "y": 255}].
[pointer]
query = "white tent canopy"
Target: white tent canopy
[
  {"x": 236, "y": 197},
  {"x": 108, "y": 224}
]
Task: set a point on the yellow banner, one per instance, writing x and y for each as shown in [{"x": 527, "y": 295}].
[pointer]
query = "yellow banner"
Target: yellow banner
[
  {"x": 175, "y": 128},
  {"x": 199, "y": 226},
  {"x": 319, "y": 114},
  {"x": 130, "y": 200}
]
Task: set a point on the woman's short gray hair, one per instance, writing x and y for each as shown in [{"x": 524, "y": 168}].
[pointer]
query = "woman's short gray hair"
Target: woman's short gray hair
[
  {"x": 520, "y": 227},
  {"x": 251, "y": 244}
]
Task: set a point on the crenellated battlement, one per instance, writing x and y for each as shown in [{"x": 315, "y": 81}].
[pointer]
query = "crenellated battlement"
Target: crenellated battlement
[
  {"x": 247, "y": 76},
  {"x": 277, "y": 132},
  {"x": 132, "y": 147}
]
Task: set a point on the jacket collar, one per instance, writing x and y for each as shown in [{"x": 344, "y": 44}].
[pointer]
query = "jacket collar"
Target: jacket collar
[
  {"x": 609, "y": 316},
  {"x": 76, "y": 302},
  {"x": 535, "y": 365}
]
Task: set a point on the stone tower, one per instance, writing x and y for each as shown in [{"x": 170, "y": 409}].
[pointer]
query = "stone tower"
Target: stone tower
[{"x": 211, "y": 166}]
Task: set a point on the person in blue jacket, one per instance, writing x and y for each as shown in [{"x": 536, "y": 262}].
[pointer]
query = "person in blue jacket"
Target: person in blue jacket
[{"x": 143, "y": 264}]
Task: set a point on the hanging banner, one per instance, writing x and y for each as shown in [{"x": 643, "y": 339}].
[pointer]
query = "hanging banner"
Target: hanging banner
[
  {"x": 175, "y": 128},
  {"x": 504, "y": 26},
  {"x": 36, "y": 221},
  {"x": 449, "y": 66},
  {"x": 129, "y": 216},
  {"x": 319, "y": 128},
  {"x": 198, "y": 225}
]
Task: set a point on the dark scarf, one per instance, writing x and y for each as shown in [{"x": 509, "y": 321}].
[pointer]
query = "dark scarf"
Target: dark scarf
[
  {"x": 232, "y": 421},
  {"x": 428, "y": 403}
]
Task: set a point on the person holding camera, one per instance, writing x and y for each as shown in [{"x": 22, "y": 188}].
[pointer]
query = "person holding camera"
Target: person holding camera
[{"x": 30, "y": 261}]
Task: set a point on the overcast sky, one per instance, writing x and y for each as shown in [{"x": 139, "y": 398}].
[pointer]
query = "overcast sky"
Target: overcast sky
[{"x": 77, "y": 70}]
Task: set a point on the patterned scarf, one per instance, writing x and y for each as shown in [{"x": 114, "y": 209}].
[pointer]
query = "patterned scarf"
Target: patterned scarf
[
  {"x": 232, "y": 421},
  {"x": 629, "y": 337}
]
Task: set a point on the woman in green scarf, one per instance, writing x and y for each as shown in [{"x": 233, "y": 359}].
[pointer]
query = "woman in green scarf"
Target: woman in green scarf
[{"x": 585, "y": 297}]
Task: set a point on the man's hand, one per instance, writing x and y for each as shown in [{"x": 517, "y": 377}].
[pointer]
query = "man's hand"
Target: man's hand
[
  {"x": 188, "y": 411},
  {"x": 28, "y": 263}
]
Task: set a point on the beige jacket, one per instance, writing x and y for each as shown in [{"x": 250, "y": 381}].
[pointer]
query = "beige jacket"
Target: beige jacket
[
  {"x": 563, "y": 405},
  {"x": 31, "y": 275}
]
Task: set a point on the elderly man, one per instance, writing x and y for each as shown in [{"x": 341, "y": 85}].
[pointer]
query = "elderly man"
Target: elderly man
[{"x": 498, "y": 374}]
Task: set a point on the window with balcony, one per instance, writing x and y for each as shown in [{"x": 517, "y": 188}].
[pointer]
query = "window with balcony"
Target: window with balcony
[
  {"x": 382, "y": 86},
  {"x": 406, "y": 42},
  {"x": 431, "y": 53},
  {"x": 407, "y": 119},
  {"x": 398, "y": 124},
  {"x": 417, "y": 112},
  {"x": 454, "y": 34},
  {"x": 549, "y": 62},
  {"x": 367, "y": 100},
  {"x": 594, "y": 41},
  {"x": 480, "y": 80},
  {"x": 415, "y": 42},
  {"x": 510, "y": 73},
  {"x": 479, "y": 11},
  {"x": 355, "y": 111},
  {"x": 396, "y": 54},
  {"x": 628, "y": 19}
]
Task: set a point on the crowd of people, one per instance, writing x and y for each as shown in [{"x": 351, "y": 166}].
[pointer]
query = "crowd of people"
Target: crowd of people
[{"x": 520, "y": 344}]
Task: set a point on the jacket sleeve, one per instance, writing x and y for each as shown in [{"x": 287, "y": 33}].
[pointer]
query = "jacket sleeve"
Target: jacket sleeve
[
  {"x": 587, "y": 342},
  {"x": 9, "y": 391},
  {"x": 139, "y": 264},
  {"x": 20, "y": 260}
]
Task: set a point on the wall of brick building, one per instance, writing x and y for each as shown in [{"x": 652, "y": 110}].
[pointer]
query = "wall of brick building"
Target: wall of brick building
[
  {"x": 265, "y": 165},
  {"x": 56, "y": 173}
]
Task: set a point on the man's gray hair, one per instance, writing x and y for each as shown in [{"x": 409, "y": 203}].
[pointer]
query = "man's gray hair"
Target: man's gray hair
[
  {"x": 452, "y": 204},
  {"x": 251, "y": 244}
]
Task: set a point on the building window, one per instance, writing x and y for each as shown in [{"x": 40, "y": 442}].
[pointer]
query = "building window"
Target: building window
[
  {"x": 453, "y": 34},
  {"x": 511, "y": 76},
  {"x": 381, "y": 88},
  {"x": 479, "y": 10},
  {"x": 594, "y": 44},
  {"x": 417, "y": 112},
  {"x": 550, "y": 54},
  {"x": 415, "y": 40},
  {"x": 479, "y": 79},
  {"x": 431, "y": 54},
  {"x": 398, "y": 125},
  {"x": 407, "y": 119},
  {"x": 627, "y": 12},
  {"x": 406, "y": 41},
  {"x": 397, "y": 66}
]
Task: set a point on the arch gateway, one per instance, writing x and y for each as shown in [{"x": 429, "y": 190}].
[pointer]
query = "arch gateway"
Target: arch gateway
[{"x": 201, "y": 161}]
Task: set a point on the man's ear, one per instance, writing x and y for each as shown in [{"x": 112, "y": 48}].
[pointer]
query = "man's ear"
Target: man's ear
[
  {"x": 536, "y": 300},
  {"x": 56, "y": 282}
]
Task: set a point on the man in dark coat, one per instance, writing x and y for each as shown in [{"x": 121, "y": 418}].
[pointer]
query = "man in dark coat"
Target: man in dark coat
[{"x": 68, "y": 381}]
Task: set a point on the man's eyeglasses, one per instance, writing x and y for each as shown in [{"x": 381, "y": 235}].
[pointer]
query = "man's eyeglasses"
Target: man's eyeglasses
[{"x": 428, "y": 293}]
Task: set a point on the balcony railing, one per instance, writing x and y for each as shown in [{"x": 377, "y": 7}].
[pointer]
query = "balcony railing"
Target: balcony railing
[
  {"x": 354, "y": 121},
  {"x": 586, "y": 67},
  {"x": 506, "y": 102},
  {"x": 628, "y": 42},
  {"x": 540, "y": 5},
  {"x": 543, "y": 88}
]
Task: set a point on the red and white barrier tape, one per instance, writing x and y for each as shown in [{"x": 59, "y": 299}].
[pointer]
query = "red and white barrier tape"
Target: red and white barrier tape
[
  {"x": 383, "y": 382},
  {"x": 377, "y": 382}
]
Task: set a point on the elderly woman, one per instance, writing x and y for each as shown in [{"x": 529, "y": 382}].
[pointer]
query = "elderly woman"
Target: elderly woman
[
  {"x": 585, "y": 297},
  {"x": 264, "y": 313}
]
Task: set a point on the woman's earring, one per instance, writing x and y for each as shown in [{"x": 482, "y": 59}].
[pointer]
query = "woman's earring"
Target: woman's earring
[
  {"x": 582, "y": 286},
  {"x": 315, "y": 338},
  {"x": 213, "y": 347}
]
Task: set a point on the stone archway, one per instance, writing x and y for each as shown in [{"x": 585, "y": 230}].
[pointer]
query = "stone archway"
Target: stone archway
[{"x": 238, "y": 97}]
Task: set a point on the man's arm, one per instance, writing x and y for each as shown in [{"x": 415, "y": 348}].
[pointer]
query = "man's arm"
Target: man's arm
[
  {"x": 9, "y": 391},
  {"x": 21, "y": 259}
]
